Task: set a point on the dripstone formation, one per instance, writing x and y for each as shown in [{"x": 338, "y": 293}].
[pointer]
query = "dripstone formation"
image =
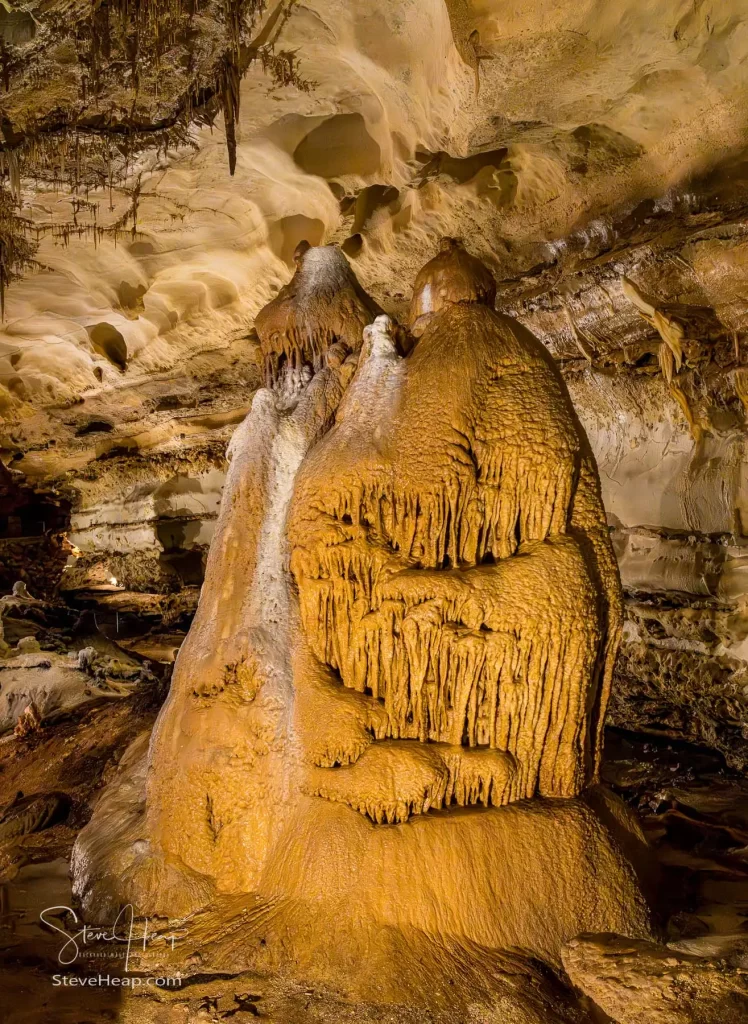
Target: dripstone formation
[{"x": 378, "y": 760}]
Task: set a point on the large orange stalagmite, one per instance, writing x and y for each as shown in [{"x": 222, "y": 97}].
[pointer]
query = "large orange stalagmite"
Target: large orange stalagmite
[
  {"x": 453, "y": 562},
  {"x": 382, "y": 740}
]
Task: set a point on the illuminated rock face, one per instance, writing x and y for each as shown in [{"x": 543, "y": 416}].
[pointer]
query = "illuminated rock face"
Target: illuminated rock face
[
  {"x": 453, "y": 566},
  {"x": 452, "y": 276},
  {"x": 410, "y": 608},
  {"x": 322, "y": 305}
]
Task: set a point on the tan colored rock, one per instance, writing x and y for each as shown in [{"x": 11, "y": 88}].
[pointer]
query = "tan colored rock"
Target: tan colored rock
[
  {"x": 50, "y": 683},
  {"x": 637, "y": 982},
  {"x": 453, "y": 275},
  {"x": 323, "y": 304},
  {"x": 374, "y": 770},
  {"x": 29, "y": 721},
  {"x": 453, "y": 566}
]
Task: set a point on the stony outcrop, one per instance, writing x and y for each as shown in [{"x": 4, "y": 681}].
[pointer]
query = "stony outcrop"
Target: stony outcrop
[{"x": 637, "y": 982}]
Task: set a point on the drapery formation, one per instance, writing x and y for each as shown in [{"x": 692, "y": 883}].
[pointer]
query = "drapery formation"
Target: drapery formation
[{"x": 450, "y": 551}]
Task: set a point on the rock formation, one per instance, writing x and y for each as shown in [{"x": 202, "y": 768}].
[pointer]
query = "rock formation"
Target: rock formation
[
  {"x": 179, "y": 185},
  {"x": 637, "y": 982},
  {"x": 321, "y": 306},
  {"x": 128, "y": 356},
  {"x": 451, "y": 554},
  {"x": 410, "y": 608},
  {"x": 454, "y": 275}
]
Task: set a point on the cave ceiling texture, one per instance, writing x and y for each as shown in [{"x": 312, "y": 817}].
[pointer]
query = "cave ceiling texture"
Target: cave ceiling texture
[{"x": 250, "y": 347}]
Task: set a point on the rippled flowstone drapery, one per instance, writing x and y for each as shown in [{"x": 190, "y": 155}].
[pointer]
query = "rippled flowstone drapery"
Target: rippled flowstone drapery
[{"x": 378, "y": 760}]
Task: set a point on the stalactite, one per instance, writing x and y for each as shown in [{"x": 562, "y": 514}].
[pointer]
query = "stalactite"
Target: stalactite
[
  {"x": 17, "y": 251},
  {"x": 516, "y": 497},
  {"x": 229, "y": 93},
  {"x": 449, "y": 653},
  {"x": 670, "y": 353},
  {"x": 5, "y": 64},
  {"x": 678, "y": 394},
  {"x": 72, "y": 147}
]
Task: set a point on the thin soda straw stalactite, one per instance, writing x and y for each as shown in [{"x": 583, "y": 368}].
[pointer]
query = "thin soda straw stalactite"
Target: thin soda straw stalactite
[
  {"x": 142, "y": 80},
  {"x": 17, "y": 247}
]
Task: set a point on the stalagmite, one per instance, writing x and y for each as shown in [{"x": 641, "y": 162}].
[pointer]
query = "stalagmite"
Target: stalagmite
[
  {"x": 441, "y": 567},
  {"x": 452, "y": 276},
  {"x": 376, "y": 766},
  {"x": 322, "y": 305}
]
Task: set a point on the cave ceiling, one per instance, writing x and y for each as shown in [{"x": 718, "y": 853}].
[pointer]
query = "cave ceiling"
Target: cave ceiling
[{"x": 569, "y": 145}]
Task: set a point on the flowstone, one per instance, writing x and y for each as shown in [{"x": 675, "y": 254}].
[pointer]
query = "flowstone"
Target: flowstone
[{"x": 377, "y": 765}]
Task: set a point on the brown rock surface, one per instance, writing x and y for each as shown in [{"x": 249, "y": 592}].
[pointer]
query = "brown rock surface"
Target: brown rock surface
[
  {"x": 637, "y": 982},
  {"x": 593, "y": 155},
  {"x": 575, "y": 148},
  {"x": 322, "y": 305}
]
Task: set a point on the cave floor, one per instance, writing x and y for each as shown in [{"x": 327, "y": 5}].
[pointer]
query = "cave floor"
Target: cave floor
[{"x": 693, "y": 808}]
